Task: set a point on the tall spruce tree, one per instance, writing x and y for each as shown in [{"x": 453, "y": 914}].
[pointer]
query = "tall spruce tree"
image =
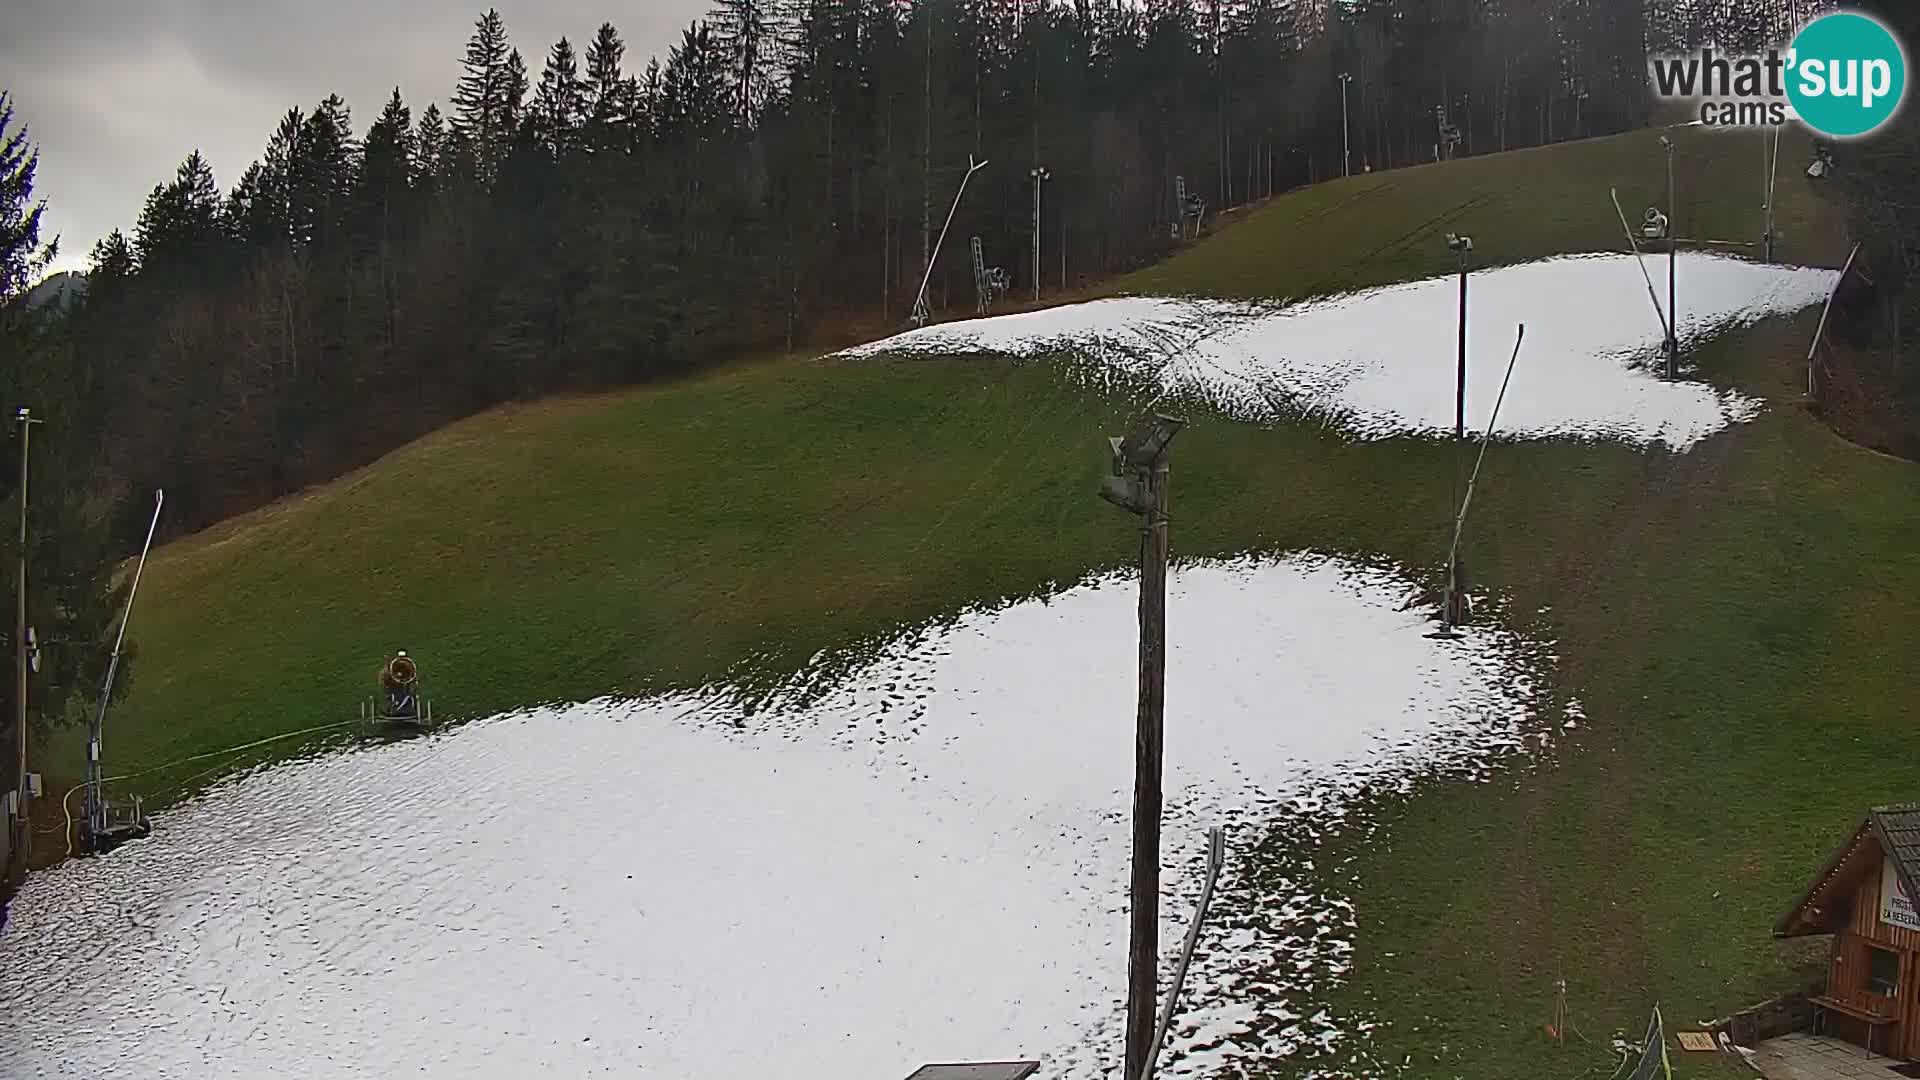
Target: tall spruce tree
[
  {"x": 560, "y": 104},
  {"x": 483, "y": 103},
  {"x": 605, "y": 85},
  {"x": 22, "y": 256},
  {"x": 70, "y": 601}
]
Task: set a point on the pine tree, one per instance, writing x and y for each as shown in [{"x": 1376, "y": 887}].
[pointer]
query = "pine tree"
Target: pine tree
[
  {"x": 180, "y": 219},
  {"x": 744, "y": 33},
  {"x": 251, "y": 216},
  {"x": 429, "y": 149},
  {"x": 386, "y": 161},
  {"x": 605, "y": 84},
  {"x": 113, "y": 257},
  {"x": 22, "y": 256},
  {"x": 481, "y": 111},
  {"x": 560, "y": 105},
  {"x": 323, "y": 171},
  {"x": 515, "y": 109},
  {"x": 71, "y": 553}
]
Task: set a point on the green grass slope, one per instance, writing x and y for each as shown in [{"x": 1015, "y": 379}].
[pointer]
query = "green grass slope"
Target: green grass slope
[{"x": 1731, "y": 618}]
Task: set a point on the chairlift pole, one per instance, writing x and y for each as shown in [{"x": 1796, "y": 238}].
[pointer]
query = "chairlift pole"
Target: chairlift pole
[{"x": 96, "y": 799}]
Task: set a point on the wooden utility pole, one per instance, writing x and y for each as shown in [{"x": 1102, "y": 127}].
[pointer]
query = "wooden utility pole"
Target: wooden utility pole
[{"x": 1139, "y": 484}]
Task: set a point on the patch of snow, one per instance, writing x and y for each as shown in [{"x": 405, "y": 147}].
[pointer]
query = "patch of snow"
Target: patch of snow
[
  {"x": 928, "y": 861},
  {"x": 1383, "y": 362}
]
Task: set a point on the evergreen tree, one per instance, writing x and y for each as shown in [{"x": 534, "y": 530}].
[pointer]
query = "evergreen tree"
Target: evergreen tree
[
  {"x": 560, "y": 105},
  {"x": 484, "y": 104},
  {"x": 744, "y": 33},
  {"x": 516, "y": 93},
  {"x": 429, "y": 149},
  {"x": 181, "y": 220},
  {"x": 323, "y": 175},
  {"x": 71, "y": 601},
  {"x": 387, "y": 159},
  {"x": 22, "y": 256},
  {"x": 605, "y": 85},
  {"x": 112, "y": 258}
]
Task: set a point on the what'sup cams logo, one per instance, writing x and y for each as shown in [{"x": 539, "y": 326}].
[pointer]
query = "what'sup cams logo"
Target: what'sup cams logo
[{"x": 1844, "y": 76}]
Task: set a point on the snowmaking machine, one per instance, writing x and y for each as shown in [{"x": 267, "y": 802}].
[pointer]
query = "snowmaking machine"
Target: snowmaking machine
[{"x": 399, "y": 703}]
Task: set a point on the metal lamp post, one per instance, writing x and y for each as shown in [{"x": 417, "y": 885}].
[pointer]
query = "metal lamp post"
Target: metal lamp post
[
  {"x": 1346, "y": 138},
  {"x": 1040, "y": 175},
  {"x": 1672, "y": 345}
]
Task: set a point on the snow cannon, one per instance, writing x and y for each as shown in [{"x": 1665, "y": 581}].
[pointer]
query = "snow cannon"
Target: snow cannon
[{"x": 400, "y": 702}]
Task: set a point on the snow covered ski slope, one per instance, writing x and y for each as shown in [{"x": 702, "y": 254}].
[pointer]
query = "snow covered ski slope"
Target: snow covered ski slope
[
  {"x": 929, "y": 862},
  {"x": 1382, "y": 362}
]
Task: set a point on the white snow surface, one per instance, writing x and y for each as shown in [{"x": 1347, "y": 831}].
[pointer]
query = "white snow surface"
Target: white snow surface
[
  {"x": 1383, "y": 362},
  {"x": 928, "y": 862}
]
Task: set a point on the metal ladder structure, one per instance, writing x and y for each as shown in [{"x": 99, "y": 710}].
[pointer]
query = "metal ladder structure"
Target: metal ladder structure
[
  {"x": 989, "y": 282},
  {"x": 1191, "y": 208}
]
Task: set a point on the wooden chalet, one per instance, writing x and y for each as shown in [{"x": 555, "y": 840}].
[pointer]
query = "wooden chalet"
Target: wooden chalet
[{"x": 1865, "y": 899}]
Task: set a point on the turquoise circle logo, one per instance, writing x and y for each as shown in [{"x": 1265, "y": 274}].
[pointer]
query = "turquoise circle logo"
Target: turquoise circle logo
[{"x": 1848, "y": 75}]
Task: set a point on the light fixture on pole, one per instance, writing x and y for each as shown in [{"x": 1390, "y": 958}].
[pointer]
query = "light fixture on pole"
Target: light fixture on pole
[
  {"x": 1040, "y": 175},
  {"x": 1138, "y": 484},
  {"x": 1346, "y": 138}
]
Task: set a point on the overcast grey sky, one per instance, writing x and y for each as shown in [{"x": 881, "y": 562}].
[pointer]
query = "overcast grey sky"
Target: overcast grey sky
[{"x": 117, "y": 92}]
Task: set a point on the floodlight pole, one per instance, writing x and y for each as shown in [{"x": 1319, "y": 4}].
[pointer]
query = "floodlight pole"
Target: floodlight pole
[
  {"x": 22, "y": 846},
  {"x": 1460, "y": 377},
  {"x": 1673, "y": 269},
  {"x": 1039, "y": 175},
  {"x": 920, "y": 312},
  {"x": 1346, "y": 138},
  {"x": 1462, "y": 247},
  {"x": 1140, "y": 485},
  {"x": 96, "y": 799}
]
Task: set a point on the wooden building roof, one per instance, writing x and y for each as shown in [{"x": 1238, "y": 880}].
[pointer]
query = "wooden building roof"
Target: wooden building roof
[{"x": 1892, "y": 830}]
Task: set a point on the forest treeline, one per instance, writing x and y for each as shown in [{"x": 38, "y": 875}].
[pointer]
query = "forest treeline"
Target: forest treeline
[
  {"x": 586, "y": 220},
  {"x": 582, "y": 219}
]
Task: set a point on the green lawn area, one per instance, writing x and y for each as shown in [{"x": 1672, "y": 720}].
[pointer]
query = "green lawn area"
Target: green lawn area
[{"x": 1733, "y": 619}]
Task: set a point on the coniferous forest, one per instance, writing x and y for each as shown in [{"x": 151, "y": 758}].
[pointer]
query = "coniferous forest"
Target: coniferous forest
[{"x": 570, "y": 216}]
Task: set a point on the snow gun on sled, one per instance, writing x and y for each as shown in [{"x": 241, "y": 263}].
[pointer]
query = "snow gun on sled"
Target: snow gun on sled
[{"x": 399, "y": 702}]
